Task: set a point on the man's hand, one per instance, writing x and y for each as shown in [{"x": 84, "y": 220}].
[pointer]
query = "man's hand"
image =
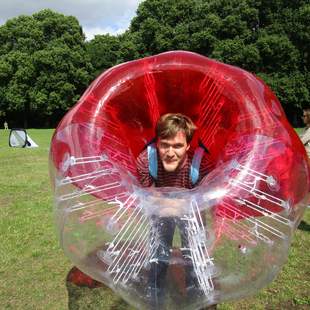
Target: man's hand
[{"x": 167, "y": 207}]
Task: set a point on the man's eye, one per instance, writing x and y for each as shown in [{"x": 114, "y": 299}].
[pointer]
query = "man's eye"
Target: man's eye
[{"x": 165, "y": 146}]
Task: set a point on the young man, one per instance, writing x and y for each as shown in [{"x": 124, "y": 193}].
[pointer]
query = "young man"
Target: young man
[
  {"x": 169, "y": 164},
  {"x": 305, "y": 137}
]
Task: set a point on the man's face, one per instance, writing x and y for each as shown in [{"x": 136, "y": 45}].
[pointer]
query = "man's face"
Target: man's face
[
  {"x": 306, "y": 117},
  {"x": 172, "y": 151}
]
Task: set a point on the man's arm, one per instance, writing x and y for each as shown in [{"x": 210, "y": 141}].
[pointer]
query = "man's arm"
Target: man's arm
[{"x": 144, "y": 176}]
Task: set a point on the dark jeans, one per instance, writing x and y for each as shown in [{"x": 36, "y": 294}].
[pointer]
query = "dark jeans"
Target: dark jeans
[{"x": 164, "y": 228}]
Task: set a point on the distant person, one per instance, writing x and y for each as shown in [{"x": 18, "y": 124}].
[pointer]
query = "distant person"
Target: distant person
[
  {"x": 305, "y": 136},
  {"x": 6, "y": 125}
]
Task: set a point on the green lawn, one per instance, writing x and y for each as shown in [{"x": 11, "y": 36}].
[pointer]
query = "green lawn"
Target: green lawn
[{"x": 33, "y": 268}]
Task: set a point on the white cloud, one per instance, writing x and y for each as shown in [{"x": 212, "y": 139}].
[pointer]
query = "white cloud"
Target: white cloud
[
  {"x": 95, "y": 16},
  {"x": 91, "y": 32}
]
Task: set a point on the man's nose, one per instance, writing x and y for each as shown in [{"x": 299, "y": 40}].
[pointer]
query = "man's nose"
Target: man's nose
[{"x": 170, "y": 151}]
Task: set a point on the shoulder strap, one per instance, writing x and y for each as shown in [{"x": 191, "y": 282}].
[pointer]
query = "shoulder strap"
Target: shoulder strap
[
  {"x": 196, "y": 161},
  {"x": 152, "y": 158},
  {"x": 195, "y": 166}
]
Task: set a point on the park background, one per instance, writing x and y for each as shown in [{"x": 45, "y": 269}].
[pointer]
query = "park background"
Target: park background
[{"x": 45, "y": 66}]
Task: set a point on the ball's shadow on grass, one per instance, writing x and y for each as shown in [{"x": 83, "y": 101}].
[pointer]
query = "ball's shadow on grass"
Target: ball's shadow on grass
[
  {"x": 87, "y": 293},
  {"x": 304, "y": 226}
]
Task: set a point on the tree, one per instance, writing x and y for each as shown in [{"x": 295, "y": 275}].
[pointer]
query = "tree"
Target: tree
[
  {"x": 104, "y": 52},
  {"x": 269, "y": 38},
  {"x": 44, "y": 66},
  {"x": 195, "y": 25}
]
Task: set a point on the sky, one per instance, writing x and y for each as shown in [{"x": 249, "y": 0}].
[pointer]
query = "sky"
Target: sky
[{"x": 95, "y": 16}]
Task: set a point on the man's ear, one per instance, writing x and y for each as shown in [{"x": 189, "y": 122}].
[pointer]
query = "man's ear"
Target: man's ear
[{"x": 188, "y": 146}]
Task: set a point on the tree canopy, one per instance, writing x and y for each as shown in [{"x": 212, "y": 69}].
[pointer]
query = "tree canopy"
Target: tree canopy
[
  {"x": 43, "y": 66},
  {"x": 46, "y": 64},
  {"x": 268, "y": 38}
]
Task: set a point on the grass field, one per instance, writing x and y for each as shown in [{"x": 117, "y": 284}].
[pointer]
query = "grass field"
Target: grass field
[{"x": 33, "y": 268}]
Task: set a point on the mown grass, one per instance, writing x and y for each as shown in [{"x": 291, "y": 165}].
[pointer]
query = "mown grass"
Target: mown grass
[
  {"x": 32, "y": 265},
  {"x": 33, "y": 268}
]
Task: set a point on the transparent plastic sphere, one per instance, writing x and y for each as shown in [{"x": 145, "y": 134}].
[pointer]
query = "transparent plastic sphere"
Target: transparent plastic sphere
[{"x": 238, "y": 221}]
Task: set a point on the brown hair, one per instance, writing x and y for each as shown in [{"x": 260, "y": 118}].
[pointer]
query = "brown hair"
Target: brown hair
[
  {"x": 306, "y": 111},
  {"x": 169, "y": 124}
]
